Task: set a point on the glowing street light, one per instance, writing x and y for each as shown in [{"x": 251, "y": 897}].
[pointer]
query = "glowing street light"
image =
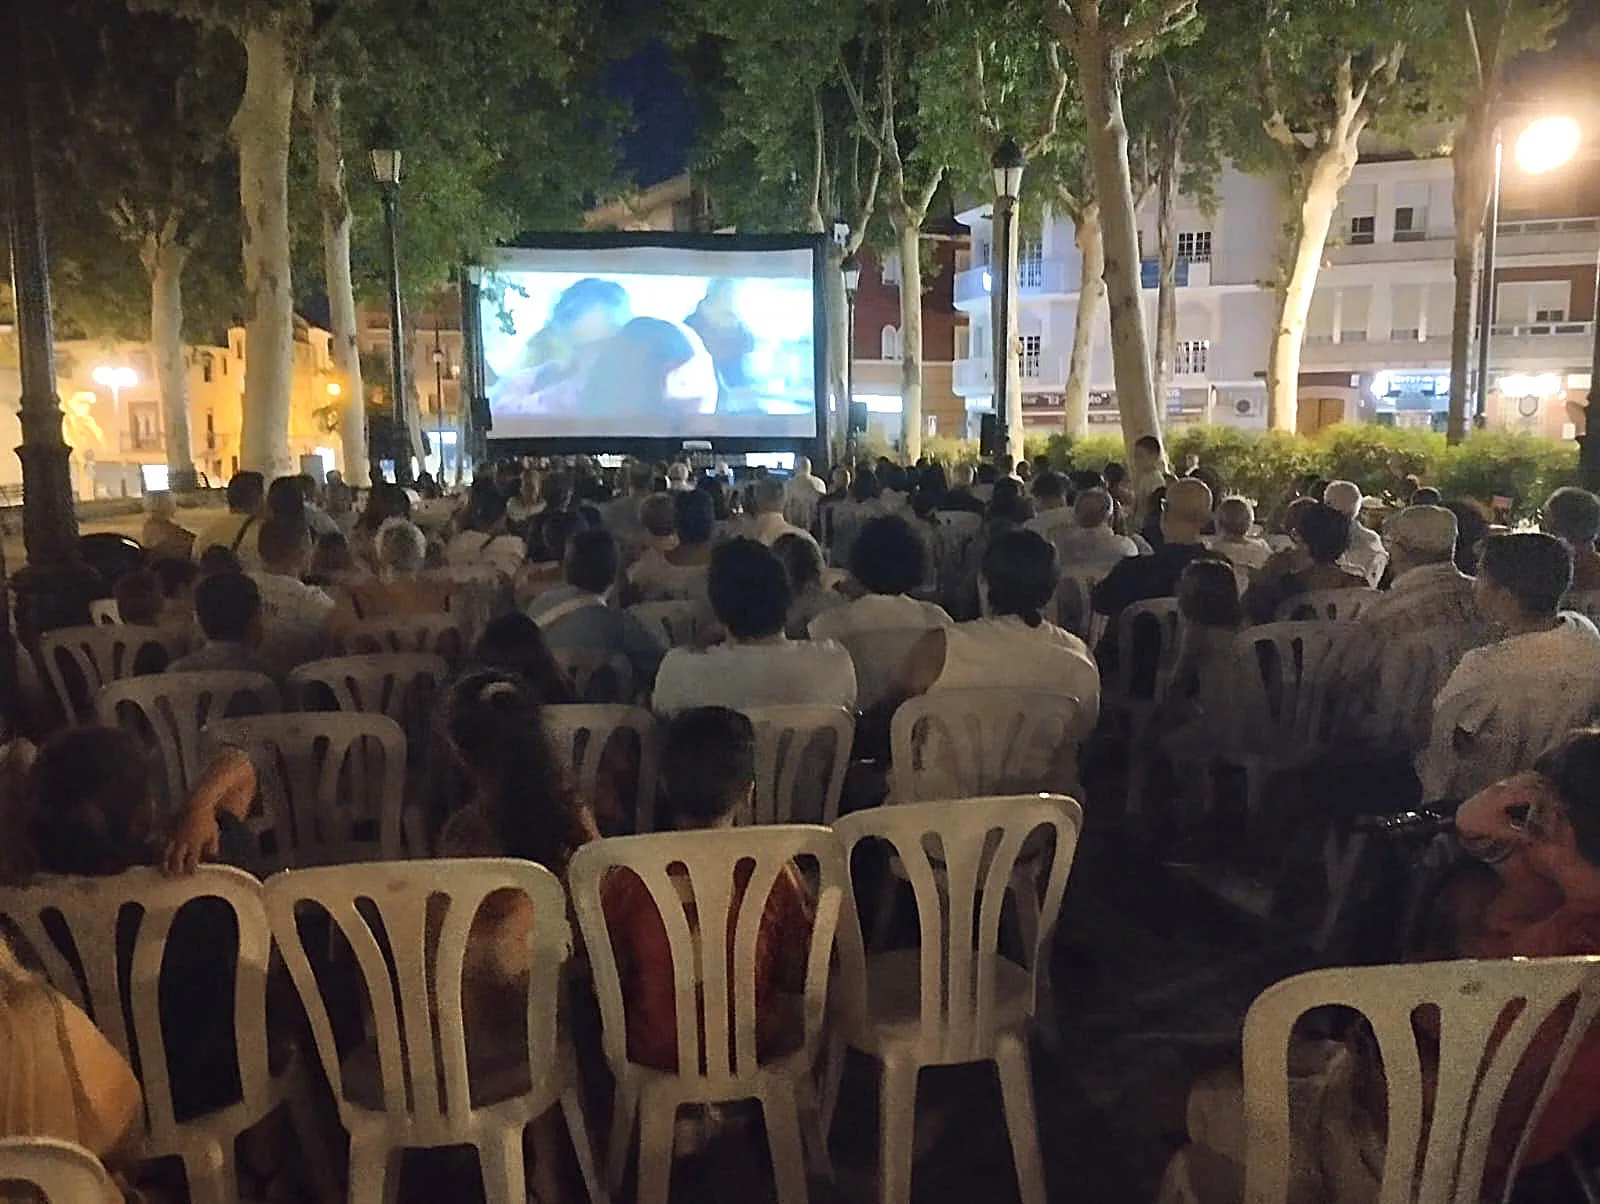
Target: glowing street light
[
  {"x": 115, "y": 377},
  {"x": 334, "y": 388},
  {"x": 1547, "y": 144}
]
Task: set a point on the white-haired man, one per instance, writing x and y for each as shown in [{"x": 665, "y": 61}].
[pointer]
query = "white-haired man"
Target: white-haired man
[
  {"x": 804, "y": 490},
  {"x": 1366, "y": 555}
]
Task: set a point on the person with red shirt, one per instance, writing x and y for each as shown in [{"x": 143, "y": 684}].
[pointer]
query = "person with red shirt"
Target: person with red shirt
[{"x": 708, "y": 775}]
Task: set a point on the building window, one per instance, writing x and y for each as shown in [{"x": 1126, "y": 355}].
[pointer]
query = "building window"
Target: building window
[
  {"x": 1030, "y": 264},
  {"x": 1032, "y": 354},
  {"x": 889, "y": 270},
  {"x": 1191, "y": 357},
  {"x": 1194, "y": 246},
  {"x": 1410, "y": 224},
  {"x": 1363, "y": 230},
  {"x": 1549, "y": 315},
  {"x": 889, "y": 343},
  {"x": 207, "y": 366}
]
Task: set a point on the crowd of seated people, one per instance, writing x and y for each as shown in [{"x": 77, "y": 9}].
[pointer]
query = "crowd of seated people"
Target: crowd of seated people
[{"x": 840, "y": 596}]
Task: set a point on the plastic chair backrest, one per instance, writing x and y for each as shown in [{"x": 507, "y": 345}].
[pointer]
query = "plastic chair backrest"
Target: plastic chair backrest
[
  {"x": 584, "y": 733},
  {"x": 802, "y": 753},
  {"x": 1147, "y": 644},
  {"x": 1489, "y": 1015},
  {"x": 173, "y": 709},
  {"x": 91, "y": 974},
  {"x": 400, "y": 685},
  {"x": 677, "y": 623},
  {"x": 1283, "y": 679},
  {"x": 1410, "y": 676},
  {"x": 880, "y": 660},
  {"x": 104, "y": 612},
  {"x": 1585, "y": 602},
  {"x": 718, "y": 992},
  {"x": 959, "y": 743},
  {"x": 961, "y": 857},
  {"x": 332, "y": 783},
  {"x": 98, "y": 655},
  {"x": 1330, "y": 605},
  {"x": 406, "y": 925},
  {"x": 955, "y": 547},
  {"x": 438, "y": 634},
  {"x": 596, "y": 675},
  {"x": 1074, "y": 610},
  {"x": 60, "y": 1171}
]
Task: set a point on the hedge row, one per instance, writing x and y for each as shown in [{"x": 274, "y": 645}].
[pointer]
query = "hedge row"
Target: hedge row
[{"x": 1264, "y": 465}]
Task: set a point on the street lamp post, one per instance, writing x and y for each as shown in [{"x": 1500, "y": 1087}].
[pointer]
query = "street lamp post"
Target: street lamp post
[
  {"x": 438, "y": 395},
  {"x": 1543, "y": 145},
  {"x": 386, "y": 170},
  {"x": 850, "y": 269},
  {"x": 1008, "y": 164}
]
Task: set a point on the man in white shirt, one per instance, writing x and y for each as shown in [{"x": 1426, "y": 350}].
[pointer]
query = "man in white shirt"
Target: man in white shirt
[
  {"x": 621, "y": 515},
  {"x": 1427, "y": 589},
  {"x": 801, "y": 495},
  {"x": 236, "y": 531},
  {"x": 1235, "y": 519},
  {"x": 758, "y": 666},
  {"x": 1366, "y": 555},
  {"x": 766, "y": 524},
  {"x": 1505, "y": 702},
  {"x": 1091, "y": 547},
  {"x": 1050, "y": 497},
  {"x": 294, "y": 615}
]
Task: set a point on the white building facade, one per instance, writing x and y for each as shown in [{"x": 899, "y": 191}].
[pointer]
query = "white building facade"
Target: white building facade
[{"x": 1377, "y": 344}]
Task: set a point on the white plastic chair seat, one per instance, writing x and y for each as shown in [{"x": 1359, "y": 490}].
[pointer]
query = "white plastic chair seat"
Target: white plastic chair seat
[
  {"x": 894, "y": 998},
  {"x": 62, "y": 1172}
]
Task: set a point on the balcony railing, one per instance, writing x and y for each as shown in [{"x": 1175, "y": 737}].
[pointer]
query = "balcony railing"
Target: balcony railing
[
  {"x": 1043, "y": 371},
  {"x": 1550, "y": 225},
  {"x": 1541, "y": 329},
  {"x": 1186, "y": 273},
  {"x": 139, "y": 441},
  {"x": 1035, "y": 278}
]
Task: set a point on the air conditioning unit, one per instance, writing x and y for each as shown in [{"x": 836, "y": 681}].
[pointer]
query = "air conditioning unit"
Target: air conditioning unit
[{"x": 1249, "y": 407}]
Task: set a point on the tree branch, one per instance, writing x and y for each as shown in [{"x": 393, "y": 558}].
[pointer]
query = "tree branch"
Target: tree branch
[
  {"x": 859, "y": 108},
  {"x": 980, "y": 90},
  {"x": 1058, "y": 98},
  {"x": 1061, "y": 21},
  {"x": 817, "y": 155},
  {"x": 1172, "y": 14},
  {"x": 1274, "y": 122},
  {"x": 867, "y": 201},
  {"x": 1472, "y": 43},
  {"x": 925, "y": 198}
]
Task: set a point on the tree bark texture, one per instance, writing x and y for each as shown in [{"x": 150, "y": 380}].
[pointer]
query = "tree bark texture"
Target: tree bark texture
[
  {"x": 334, "y": 201},
  {"x": 1473, "y": 166},
  {"x": 1012, "y": 344},
  {"x": 164, "y": 258},
  {"x": 261, "y": 133},
  {"x": 908, "y": 233},
  {"x": 1167, "y": 289},
  {"x": 1091, "y": 293}
]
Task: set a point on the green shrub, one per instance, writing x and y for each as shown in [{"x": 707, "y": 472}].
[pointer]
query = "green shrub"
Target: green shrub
[
  {"x": 1377, "y": 458},
  {"x": 1500, "y": 464}
]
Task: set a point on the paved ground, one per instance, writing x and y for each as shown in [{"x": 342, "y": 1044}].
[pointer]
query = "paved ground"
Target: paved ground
[{"x": 131, "y": 525}]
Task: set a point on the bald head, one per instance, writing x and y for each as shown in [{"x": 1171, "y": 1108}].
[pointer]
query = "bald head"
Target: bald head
[
  {"x": 1187, "y": 508},
  {"x": 1093, "y": 508}
]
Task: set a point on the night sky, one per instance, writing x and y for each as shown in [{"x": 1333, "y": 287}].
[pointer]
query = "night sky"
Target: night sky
[{"x": 662, "y": 140}]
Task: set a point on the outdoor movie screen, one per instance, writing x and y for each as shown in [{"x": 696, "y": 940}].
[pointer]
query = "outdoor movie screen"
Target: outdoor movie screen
[{"x": 638, "y": 341}]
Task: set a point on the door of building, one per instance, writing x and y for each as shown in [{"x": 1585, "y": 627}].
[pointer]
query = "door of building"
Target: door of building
[{"x": 1318, "y": 412}]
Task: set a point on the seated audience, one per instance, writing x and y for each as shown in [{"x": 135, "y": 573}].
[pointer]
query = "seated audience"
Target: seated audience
[
  {"x": 294, "y": 615},
  {"x": 512, "y": 642},
  {"x": 680, "y": 572},
  {"x": 1573, "y": 516},
  {"x": 1052, "y": 513},
  {"x": 235, "y": 531},
  {"x": 1235, "y": 519},
  {"x": 161, "y": 534},
  {"x": 1425, "y": 495},
  {"x": 1473, "y": 525},
  {"x": 384, "y": 501},
  {"x": 759, "y": 665},
  {"x": 59, "y": 1076},
  {"x": 889, "y": 562},
  {"x": 1140, "y": 578},
  {"x": 294, "y": 498},
  {"x": 802, "y": 561},
  {"x": 484, "y": 539},
  {"x": 1196, "y": 705},
  {"x": 1149, "y": 474},
  {"x": 331, "y": 560},
  {"x": 1541, "y": 676},
  {"x": 801, "y": 495},
  {"x": 529, "y": 502},
  {"x": 1322, "y": 536},
  {"x": 1366, "y": 556},
  {"x": 217, "y": 559},
  {"x": 139, "y": 599},
  {"x": 1426, "y": 589},
  {"x": 960, "y": 496},
  {"x": 399, "y": 590},
  {"x": 1088, "y": 545},
  {"x": 576, "y": 616},
  {"x": 227, "y": 608},
  {"x": 708, "y": 776},
  {"x": 1008, "y": 504},
  {"x": 765, "y": 522},
  {"x": 621, "y": 515},
  {"x": 1540, "y": 831},
  {"x": 177, "y": 577}
]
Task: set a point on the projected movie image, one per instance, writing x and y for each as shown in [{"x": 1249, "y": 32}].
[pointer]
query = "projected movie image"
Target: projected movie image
[{"x": 653, "y": 342}]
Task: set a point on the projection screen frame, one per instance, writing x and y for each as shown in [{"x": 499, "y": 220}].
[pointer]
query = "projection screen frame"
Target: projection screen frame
[{"x": 654, "y": 447}]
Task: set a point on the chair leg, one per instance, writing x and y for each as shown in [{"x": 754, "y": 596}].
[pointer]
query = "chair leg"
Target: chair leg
[
  {"x": 505, "y": 1171},
  {"x": 374, "y": 1173},
  {"x": 1342, "y": 866},
  {"x": 213, "y": 1177},
  {"x": 1025, "y": 905},
  {"x": 658, "y": 1123},
  {"x": 812, "y": 1127},
  {"x": 312, "y": 1138},
  {"x": 897, "y": 1120},
  {"x": 833, "y": 1059},
  {"x": 578, "y": 1130},
  {"x": 624, "y": 1111},
  {"x": 1016, "y": 1086},
  {"x": 787, "y": 1147}
]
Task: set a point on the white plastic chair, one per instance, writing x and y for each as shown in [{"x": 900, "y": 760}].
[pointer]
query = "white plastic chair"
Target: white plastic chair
[
  {"x": 98, "y": 655},
  {"x": 438, "y": 634},
  {"x": 397, "y": 684},
  {"x": 1489, "y": 1014},
  {"x": 1585, "y": 602},
  {"x": 880, "y": 660},
  {"x": 411, "y": 959},
  {"x": 1331, "y": 605},
  {"x": 677, "y": 623},
  {"x": 955, "y": 999},
  {"x": 1137, "y": 626},
  {"x": 61, "y": 1172},
  {"x": 105, "y": 612},
  {"x": 173, "y": 709},
  {"x": 963, "y": 743},
  {"x": 1074, "y": 610},
  {"x": 597, "y": 676},
  {"x": 802, "y": 753},
  {"x": 332, "y": 784},
  {"x": 718, "y": 1059},
  {"x": 92, "y": 910},
  {"x": 1411, "y": 674},
  {"x": 585, "y": 733}
]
